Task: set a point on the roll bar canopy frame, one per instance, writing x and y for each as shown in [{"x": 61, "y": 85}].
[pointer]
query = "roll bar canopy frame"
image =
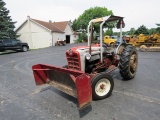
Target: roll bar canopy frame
[{"x": 103, "y": 20}]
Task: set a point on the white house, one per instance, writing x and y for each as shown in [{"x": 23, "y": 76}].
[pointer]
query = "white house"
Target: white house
[{"x": 40, "y": 34}]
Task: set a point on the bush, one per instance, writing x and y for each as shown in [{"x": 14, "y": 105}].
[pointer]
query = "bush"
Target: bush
[
  {"x": 82, "y": 37},
  {"x": 79, "y": 40}
]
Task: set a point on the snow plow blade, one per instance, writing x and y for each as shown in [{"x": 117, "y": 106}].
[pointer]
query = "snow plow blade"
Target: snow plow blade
[{"x": 72, "y": 82}]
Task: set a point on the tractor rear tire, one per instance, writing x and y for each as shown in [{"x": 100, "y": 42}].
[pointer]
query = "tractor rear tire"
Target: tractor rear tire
[
  {"x": 112, "y": 44},
  {"x": 102, "y": 86},
  {"x": 128, "y": 62}
]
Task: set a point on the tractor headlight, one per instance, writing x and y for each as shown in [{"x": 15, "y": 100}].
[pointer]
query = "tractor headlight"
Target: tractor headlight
[{"x": 88, "y": 56}]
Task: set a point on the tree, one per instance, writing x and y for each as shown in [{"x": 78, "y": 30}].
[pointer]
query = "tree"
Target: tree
[
  {"x": 158, "y": 28},
  {"x": 152, "y": 31},
  {"x": 92, "y": 13},
  {"x": 132, "y": 31},
  {"x": 82, "y": 36},
  {"x": 6, "y": 24},
  {"x": 142, "y": 30},
  {"x": 108, "y": 32}
]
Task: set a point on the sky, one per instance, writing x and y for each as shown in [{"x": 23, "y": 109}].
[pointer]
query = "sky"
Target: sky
[{"x": 135, "y": 12}]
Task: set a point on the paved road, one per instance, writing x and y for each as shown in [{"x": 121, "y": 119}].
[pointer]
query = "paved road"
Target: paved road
[{"x": 21, "y": 99}]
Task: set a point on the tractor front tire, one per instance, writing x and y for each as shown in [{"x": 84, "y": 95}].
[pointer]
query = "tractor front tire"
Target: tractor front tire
[
  {"x": 128, "y": 62},
  {"x": 102, "y": 86}
]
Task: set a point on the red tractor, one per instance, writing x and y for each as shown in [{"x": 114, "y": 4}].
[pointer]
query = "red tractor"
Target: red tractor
[{"x": 86, "y": 76}]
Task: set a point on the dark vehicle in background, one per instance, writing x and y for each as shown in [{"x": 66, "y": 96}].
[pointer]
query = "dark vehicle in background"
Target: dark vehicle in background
[{"x": 13, "y": 44}]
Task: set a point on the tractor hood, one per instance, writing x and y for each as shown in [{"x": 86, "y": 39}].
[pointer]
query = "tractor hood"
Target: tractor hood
[
  {"x": 84, "y": 49},
  {"x": 78, "y": 54}
]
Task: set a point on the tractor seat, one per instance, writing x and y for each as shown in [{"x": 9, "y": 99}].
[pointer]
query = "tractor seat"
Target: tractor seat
[{"x": 108, "y": 49}]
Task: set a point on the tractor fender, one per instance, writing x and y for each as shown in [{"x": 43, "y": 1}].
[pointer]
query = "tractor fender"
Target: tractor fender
[{"x": 120, "y": 48}]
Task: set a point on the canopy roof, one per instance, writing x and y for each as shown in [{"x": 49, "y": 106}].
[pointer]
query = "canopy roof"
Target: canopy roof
[{"x": 107, "y": 19}]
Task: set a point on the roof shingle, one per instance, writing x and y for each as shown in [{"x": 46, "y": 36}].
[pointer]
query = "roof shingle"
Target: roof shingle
[
  {"x": 50, "y": 25},
  {"x": 61, "y": 25}
]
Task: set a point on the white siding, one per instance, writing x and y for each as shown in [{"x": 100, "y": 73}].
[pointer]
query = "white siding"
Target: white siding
[
  {"x": 40, "y": 37},
  {"x": 74, "y": 38},
  {"x": 68, "y": 31},
  {"x": 24, "y": 34},
  {"x": 58, "y": 36}
]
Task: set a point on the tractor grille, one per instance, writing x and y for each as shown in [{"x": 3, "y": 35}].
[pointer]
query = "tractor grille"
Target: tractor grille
[{"x": 73, "y": 62}]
